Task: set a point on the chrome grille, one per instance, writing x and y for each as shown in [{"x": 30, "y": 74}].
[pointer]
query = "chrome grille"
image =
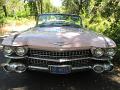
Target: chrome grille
[
  {"x": 44, "y": 63},
  {"x": 59, "y": 54}
]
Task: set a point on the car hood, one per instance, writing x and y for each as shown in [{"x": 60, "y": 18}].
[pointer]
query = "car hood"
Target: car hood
[{"x": 58, "y": 38}]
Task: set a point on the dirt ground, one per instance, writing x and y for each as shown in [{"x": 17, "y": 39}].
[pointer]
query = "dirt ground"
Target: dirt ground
[{"x": 15, "y": 27}]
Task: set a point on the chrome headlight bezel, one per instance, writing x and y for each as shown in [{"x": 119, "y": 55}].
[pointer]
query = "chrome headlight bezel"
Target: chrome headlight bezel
[
  {"x": 21, "y": 51},
  {"x": 110, "y": 52},
  {"x": 6, "y": 52},
  {"x": 98, "y": 52}
]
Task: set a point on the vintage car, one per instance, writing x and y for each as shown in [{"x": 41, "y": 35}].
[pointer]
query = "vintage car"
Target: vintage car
[{"x": 58, "y": 44}]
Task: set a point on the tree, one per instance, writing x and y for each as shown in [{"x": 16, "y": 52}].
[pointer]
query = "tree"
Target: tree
[
  {"x": 2, "y": 4},
  {"x": 76, "y": 6}
]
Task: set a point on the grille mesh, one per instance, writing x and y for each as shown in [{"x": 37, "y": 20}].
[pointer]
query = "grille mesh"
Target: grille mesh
[
  {"x": 59, "y": 54},
  {"x": 44, "y": 63}
]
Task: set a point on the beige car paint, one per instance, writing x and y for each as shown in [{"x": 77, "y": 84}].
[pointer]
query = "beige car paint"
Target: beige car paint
[{"x": 59, "y": 38}]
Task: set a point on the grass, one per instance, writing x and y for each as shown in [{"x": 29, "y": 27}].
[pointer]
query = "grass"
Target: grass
[{"x": 18, "y": 21}]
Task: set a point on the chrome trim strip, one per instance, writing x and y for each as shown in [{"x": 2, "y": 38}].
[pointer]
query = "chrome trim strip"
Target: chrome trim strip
[
  {"x": 60, "y": 60},
  {"x": 1, "y": 47},
  {"x": 14, "y": 57},
  {"x": 73, "y": 68},
  {"x": 83, "y": 67},
  {"x": 64, "y": 60},
  {"x": 39, "y": 68},
  {"x": 46, "y": 69}
]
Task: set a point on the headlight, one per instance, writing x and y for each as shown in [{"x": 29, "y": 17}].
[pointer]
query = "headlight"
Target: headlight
[
  {"x": 98, "y": 52},
  {"x": 111, "y": 52},
  {"x": 21, "y": 51},
  {"x": 8, "y": 50}
]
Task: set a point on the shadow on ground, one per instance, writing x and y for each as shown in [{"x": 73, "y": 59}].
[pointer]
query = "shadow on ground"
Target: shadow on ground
[{"x": 45, "y": 81}]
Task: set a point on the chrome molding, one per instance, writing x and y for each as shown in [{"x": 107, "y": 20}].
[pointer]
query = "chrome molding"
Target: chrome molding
[
  {"x": 13, "y": 67},
  {"x": 100, "y": 66},
  {"x": 38, "y": 68},
  {"x": 106, "y": 67},
  {"x": 46, "y": 69},
  {"x": 60, "y": 60},
  {"x": 1, "y": 47},
  {"x": 83, "y": 67},
  {"x": 14, "y": 57},
  {"x": 64, "y": 60}
]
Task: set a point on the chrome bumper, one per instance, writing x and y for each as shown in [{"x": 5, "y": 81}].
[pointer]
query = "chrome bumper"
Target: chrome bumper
[
  {"x": 13, "y": 67},
  {"x": 96, "y": 67},
  {"x": 46, "y": 69},
  {"x": 106, "y": 67}
]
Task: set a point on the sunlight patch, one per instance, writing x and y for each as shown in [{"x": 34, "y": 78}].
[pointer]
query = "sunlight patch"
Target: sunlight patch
[{"x": 56, "y": 3}]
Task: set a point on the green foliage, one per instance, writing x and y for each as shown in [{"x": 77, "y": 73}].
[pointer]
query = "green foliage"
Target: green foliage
[
  {"x": 17, "y": 8},
  {"x": 49, "y": 8},
  {"x": 102, "y": 16},
  {"x": 2, "y": 2},
  {"x": 23, "y": 8}
]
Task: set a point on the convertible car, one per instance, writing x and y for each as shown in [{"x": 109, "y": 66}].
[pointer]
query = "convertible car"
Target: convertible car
[{"x": 58, "y": 44}]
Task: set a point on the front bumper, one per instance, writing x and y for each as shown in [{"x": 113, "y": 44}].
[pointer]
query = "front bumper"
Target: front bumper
[
  {"x": 99, "y": 66},
  {"x": 106, "y": 67},
  {"x": 13, "y": 67}
]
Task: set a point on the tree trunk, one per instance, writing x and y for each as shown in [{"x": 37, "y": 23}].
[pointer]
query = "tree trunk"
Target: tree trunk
[
  {"x": 5, "y": 11},
  {"x": 35, "y": 10},
  {"x": 41, "y": 6}
]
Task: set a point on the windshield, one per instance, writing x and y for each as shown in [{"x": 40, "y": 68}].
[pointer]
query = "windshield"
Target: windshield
[{"x": 59, "y": 20}]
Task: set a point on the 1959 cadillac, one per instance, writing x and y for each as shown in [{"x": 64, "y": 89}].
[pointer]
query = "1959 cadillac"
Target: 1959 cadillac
[{"x": 58, "y": 44}]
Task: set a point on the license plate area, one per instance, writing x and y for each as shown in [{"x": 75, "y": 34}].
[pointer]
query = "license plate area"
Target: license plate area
[{"x": 60, "y": 69}]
